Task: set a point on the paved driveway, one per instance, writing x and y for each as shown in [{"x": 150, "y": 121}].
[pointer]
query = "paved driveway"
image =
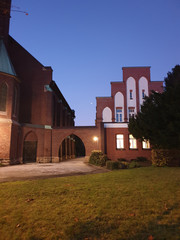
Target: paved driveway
[{"x": 46, "y": 170}]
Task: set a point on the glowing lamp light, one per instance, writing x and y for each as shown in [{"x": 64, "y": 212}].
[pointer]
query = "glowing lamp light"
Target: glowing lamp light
[{"x": 95, "y": 139}]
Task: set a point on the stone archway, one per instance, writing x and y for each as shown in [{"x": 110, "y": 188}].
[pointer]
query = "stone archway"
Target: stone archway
[
  {"x": 30, "y": 148},
  {"x": 71, "y": 147}
]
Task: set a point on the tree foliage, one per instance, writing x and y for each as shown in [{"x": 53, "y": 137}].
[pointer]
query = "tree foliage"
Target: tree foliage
[{"x": 159, "y": 119}]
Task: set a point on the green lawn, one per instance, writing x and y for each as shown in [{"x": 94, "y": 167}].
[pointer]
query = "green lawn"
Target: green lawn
[{"x": 130, "y": 204}]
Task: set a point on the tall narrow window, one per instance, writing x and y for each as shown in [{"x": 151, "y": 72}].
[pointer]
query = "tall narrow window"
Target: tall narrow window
[
  {"x": 15, "y": 101},
  {"x": 3, "y": 97},
  {"x": 143, "y": 94},
  {"x": 131, "y": 112},
  {"x": 119, "y": 141},
  {"x": 118, "y": 114},
  {"x": 146, "y": 144},
  {"x": 132, "y": 142},
  {"x": 131, "y": 94}
]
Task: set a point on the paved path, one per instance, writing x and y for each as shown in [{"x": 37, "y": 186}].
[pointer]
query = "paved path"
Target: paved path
[{"x": 46, "y": 170}]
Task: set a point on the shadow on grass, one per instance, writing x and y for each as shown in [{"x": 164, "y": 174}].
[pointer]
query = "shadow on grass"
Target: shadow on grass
[
  {"x": 88, "y": 230},
  {"x": 99, "y": 230}
]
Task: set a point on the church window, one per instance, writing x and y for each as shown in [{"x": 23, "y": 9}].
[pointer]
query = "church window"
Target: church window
[
  {"x": 3, "y": 97},
  {"x": 15, "y": 101}
]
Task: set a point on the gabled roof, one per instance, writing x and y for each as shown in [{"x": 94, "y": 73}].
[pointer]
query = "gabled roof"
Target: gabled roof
[{"x": 5, "y": 62}]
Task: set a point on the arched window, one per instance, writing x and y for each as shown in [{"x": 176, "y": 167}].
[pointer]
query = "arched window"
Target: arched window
[
  {"x": 107, "y": 115},
  {"x": 3, "y": 97}
]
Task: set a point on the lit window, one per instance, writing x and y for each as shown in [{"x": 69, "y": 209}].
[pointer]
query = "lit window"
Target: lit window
[
  {"x": 119, "y": 141},
  {"x": 131, "y": 94},
  {"x": 118, "y": 115},
  {"x": 132, "y": 142},
  {"x": 146, "y": 144},
  {"x": 143, "y": 94},
  {"x": 131, "y": 112},
  {"x": 3, "y": 97}
]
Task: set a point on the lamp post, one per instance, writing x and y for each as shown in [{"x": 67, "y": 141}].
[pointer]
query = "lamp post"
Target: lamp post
[{"x": 96, "y": 139}]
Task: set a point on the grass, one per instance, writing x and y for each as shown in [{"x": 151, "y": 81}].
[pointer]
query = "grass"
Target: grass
[{"x": 133, "y": 204}]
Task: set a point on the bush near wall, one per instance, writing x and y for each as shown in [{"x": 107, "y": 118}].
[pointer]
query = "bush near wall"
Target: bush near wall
[
  {"x": 166, "y": 157},
  {"x": 112, "y": 165},
  {"x": 98, "y": 158}
]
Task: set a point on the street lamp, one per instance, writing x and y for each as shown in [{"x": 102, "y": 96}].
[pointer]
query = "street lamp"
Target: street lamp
[{"x": 96, "y": 140}]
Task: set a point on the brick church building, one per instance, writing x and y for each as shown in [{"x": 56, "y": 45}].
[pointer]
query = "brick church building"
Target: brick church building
[{"x": 37, "y": 123}]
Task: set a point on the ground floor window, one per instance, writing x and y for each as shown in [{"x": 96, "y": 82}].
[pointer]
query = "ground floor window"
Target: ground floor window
[
  {"x": 146, "y": 144},
  {"x": 119, "y": 141},
  {"x": 132, "y": 142}
]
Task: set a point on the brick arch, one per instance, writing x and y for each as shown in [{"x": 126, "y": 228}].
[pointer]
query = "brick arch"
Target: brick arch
[
  {"x": 30, "y": 136},
  {"x": 71, "y": 146},
  {"x": 86, "y": 134}
]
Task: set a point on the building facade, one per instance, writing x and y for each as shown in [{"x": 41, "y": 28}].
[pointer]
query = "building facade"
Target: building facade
[
  {"x": 115, "y": 111},
  {"x": 37, "y": 123}
]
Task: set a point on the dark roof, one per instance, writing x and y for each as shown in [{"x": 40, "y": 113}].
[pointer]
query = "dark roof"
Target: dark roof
[{"x": 5, "y": 62}]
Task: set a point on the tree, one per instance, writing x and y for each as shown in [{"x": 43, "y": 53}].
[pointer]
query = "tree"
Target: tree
[{"x": 159, "y": 119}]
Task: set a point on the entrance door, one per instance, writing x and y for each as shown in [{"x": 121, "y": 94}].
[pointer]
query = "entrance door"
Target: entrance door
[{"x": 29, "y": 151}]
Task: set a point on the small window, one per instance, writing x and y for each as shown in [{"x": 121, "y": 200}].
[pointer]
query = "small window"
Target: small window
[
  {"x": 132, "y": 142},
  {"x": 119, "y": 141},
  {"x": 3, "y": 97},
  {"x": 146, "y": 144},
  {"x": 143, "y": 94},
  {"x": 131, "y": 94},
  {"x": 118, "y": 115},
  {"x": 131, "y": 112}
]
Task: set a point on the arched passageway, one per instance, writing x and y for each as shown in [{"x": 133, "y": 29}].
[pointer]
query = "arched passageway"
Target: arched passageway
[
  {"x": 30, "y": 148},
  {"x": 71, "y": 147}
]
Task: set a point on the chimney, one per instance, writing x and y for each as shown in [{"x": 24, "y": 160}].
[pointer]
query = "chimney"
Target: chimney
[{"x": 5, "y": 8}]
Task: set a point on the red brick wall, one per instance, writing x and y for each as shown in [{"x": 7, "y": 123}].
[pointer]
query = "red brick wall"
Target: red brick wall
[
  {"x": 101, "y": 103},
  {"x": 136, "y": 73},
  {"x": 5, "y": 138},
  {"x": 35, "y": 104},
  {"x": 86, "y": 134}
]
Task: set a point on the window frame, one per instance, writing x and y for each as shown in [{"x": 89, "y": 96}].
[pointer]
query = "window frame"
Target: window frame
[
  {"x": 119, "y": 141},
  {"x": 132, "y": 142},
  {"x": 147, "y": 143},
  {"x": 131, "y": 94},
  {"x": 119, "y": 115}
]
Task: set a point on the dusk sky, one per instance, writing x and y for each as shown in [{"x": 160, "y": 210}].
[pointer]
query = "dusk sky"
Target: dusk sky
[{"x": 87, "y": 42}]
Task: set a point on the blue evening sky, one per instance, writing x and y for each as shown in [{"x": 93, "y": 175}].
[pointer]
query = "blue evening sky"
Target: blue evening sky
[{"x": 87, "y": 42}]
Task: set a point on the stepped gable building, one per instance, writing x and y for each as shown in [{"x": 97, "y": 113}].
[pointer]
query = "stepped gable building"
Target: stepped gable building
[
  {"x": 114, "y": 113},
  {"x": 37, "y": 123}
]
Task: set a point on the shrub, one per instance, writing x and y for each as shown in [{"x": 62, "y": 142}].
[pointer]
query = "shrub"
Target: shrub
[
  {"x": 111, "y": 165},
  {"x": 98, "y": 158},
  {"x": 141, "y": 159},
  {"x": 134, "y": 164},
  {"x": 123, "y": 165},
  {"x": 122, "y": 160},
  {"x": 164, "y": 157}
]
